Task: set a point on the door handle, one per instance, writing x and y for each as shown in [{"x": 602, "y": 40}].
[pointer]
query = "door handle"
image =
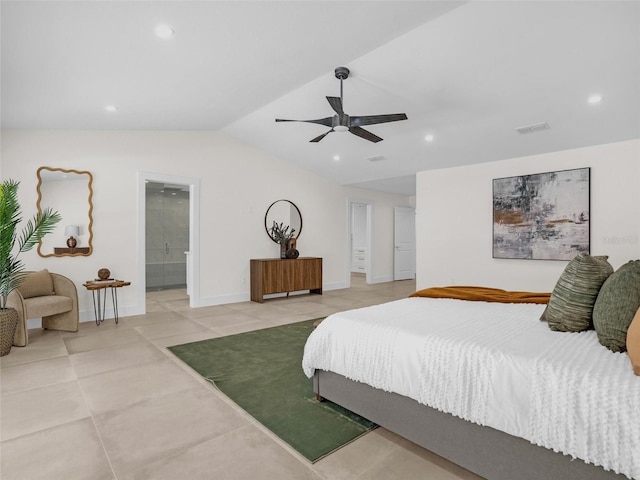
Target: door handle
[{"x": 166, "y": 248}]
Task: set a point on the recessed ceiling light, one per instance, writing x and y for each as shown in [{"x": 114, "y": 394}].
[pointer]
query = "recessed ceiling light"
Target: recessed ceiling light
[
  {"x": 164, "y": 31},
  {"x": 336, "y": 157},
  {"x": 594, "y": 99},
  {"x": 429, "y": 137},
  {"x": 111, "y": 108}
]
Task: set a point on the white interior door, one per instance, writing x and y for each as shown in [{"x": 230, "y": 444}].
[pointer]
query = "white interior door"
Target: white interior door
[{"x": 404, "y": 239}]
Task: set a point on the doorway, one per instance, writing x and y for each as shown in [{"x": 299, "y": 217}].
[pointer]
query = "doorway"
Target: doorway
[
  {"x": 360, "y": 214},
  {"x": 166, "y": 236},
  {"x": 192, "y": 185}
]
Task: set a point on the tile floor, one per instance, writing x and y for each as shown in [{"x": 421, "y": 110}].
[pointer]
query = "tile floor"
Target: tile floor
[{"x": 111, "y": 402}]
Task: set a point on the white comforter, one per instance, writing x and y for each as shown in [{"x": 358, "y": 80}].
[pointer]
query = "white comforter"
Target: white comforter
[{"x": 493, "y": 364}]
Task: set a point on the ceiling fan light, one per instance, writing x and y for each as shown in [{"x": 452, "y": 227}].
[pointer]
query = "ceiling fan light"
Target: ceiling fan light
[{"x": 340, "y": 128}]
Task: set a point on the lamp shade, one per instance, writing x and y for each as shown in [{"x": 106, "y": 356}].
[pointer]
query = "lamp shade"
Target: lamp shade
[{"x": 72, "y": 230}]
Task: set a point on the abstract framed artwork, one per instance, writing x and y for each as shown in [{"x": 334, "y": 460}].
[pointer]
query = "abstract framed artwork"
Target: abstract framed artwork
[{"x": 543, "y": 216}]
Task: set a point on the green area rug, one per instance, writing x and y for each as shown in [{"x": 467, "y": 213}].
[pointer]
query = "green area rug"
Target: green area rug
[{"x": 261, "y": 371}]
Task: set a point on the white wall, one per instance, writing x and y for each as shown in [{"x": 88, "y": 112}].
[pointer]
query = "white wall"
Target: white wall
[
  {"x": 237, "y": 184},
  {"x": 454, "y": 218}
]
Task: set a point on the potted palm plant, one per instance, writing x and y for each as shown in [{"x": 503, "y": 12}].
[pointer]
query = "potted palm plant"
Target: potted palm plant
[{"x": 11, "y": 268}]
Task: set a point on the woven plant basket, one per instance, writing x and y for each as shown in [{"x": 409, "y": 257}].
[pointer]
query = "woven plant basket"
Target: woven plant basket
[{"x": 8, "y": 325}]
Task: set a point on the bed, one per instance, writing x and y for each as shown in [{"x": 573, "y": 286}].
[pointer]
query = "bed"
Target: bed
[{"x": 486, "y": 385}]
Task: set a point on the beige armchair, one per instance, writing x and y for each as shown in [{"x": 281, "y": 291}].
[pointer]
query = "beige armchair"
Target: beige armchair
[{"x": 49, "y": 296}]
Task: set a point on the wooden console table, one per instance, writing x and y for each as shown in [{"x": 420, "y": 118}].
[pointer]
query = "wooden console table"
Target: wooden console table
[{"x": 276, "y": 275}]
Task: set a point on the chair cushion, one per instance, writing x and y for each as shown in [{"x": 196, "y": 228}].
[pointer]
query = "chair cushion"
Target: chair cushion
[
  {"x": 44, "y": 306},
  {"x": 36, "y": 284}
]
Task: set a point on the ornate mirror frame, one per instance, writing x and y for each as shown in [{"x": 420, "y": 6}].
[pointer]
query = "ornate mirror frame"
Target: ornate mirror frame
[
  {"x": 294, "y": 219},
  {"x": 59, "y": 175}
]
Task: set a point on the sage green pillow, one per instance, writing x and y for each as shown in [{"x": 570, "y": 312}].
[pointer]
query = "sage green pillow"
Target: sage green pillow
[
  {"x": 617, "y": 303},
  {"x": 572, "y": 299}
]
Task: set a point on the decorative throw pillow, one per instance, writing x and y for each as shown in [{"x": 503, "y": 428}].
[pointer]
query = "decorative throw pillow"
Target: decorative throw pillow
[
  {"x": 617, "y": 303},
  {"x": 572, "y": 299},
  {"x": 543, "y": 317},
  {"x": 36, "y": 284},
  {"x": 633, "y": 343}
]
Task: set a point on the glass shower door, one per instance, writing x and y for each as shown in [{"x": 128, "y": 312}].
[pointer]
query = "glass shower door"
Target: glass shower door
[{"x": 167, "y": 236}]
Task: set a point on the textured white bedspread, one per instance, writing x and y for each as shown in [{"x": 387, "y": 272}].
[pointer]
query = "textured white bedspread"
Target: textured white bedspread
[{"x": 493, "y": 364}]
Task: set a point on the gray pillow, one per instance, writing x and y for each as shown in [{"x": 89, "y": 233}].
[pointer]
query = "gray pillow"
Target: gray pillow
[
  {"x": 617, "y": 303},
  {"x": 572, "y": 299}
]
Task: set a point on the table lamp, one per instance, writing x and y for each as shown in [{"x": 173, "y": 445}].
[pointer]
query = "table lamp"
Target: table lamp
[{"x": 72, "y": 231}]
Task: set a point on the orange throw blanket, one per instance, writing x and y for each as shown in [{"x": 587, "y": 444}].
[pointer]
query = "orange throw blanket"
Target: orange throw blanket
[{"x": 483, "y": 294}]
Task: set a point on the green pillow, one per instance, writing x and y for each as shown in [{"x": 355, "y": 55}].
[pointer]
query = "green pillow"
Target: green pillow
[
  {"x": 617, "y": 303},
  {"x": 572, "y": 299}
]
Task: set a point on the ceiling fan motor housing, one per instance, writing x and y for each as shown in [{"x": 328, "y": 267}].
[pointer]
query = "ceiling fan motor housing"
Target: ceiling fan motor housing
[
  {"x": 341, "y": 121},
  {"x": 342, "y": 73}
]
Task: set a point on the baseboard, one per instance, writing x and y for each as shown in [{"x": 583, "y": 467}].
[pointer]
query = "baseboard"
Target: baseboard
[
  {"x": 89, "y": 315},
  {"x": 123, "y": 311},
  {"x": 335, "y": 286},
  {"x": 383, "y": 279}
]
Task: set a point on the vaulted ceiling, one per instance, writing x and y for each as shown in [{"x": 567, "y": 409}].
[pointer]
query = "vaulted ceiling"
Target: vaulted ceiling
[{"x": 466, "y": 73}]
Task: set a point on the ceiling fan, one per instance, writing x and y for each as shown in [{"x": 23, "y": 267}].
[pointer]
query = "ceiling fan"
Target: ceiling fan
[{"x": 341, "y": 122}]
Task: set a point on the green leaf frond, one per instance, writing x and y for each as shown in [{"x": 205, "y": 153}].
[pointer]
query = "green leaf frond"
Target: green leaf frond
[
  {"x": 43, "y": 223},
  {"x": 37, "y": 227},
  {"x": 281, "y": 233}
]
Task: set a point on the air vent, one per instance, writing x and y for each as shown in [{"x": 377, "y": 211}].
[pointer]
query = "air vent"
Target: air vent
[
  {"x": 376, "y": 158},
  {"x": 536, "y": 127}
]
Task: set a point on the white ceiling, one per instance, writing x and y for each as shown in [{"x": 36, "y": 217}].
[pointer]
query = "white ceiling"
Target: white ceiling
[{"x": 467, "y": 72}]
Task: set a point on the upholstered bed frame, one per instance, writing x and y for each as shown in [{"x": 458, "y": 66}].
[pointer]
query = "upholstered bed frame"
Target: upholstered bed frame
[{"x": 485, "y": 451}]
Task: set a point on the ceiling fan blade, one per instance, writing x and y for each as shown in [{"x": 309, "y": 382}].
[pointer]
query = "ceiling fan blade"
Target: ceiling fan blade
[
  {"x": 373, "y": 119},
  {"x": 320, "y": 137},
  {"x": 327, "y": 122},
  {"x": 336, "y": 104},
  {"x": 361, "y": 132}
]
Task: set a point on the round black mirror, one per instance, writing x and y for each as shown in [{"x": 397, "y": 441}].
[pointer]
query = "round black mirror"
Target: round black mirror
[{"x": 283, "y": 217}]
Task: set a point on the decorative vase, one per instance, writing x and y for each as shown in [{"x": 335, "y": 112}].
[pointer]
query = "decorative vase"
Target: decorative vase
[
  {"x": 8, "y": 325},
  {"x": 104, "y": 274},
  {"x": 292, "y": 253},
  {"x": 288, "y": 249}
]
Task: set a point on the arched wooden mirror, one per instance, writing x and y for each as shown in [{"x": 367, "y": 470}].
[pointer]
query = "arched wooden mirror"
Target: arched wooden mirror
[
  {"x": 70, "y": 192},
  {"x": 285, "y": 212}
]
